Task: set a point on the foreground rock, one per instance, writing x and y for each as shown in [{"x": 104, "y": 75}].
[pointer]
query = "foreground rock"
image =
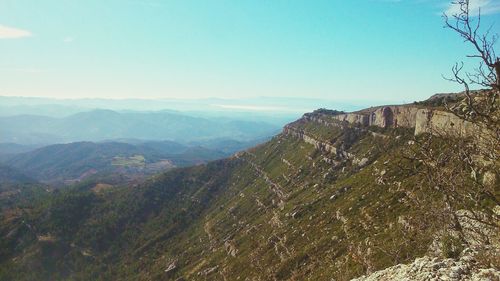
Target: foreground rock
[{"x": 467, "y": 267}]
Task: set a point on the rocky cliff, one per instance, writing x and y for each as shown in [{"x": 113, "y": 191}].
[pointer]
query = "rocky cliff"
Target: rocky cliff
[{"x": 422, "y": 119}]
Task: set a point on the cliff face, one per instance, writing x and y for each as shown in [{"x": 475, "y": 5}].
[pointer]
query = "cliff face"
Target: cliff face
[
  {"x": 424, "y": 120},
  {"x": 387, "y": 116},
  {"x": 432, "y": 121}
]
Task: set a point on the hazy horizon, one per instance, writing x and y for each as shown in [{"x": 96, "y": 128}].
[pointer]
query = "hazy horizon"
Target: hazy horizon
[{"x": 259, "y": 105}]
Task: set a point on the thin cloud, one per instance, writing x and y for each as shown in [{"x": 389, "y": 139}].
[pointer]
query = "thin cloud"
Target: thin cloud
[
  {"x": 487, "y": 7},
  {"x": 7, "y": 32}
]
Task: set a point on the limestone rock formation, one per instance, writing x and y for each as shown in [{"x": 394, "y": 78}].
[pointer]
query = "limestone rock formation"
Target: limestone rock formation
[
  {"x": 431, "y": 121},
  {"x": 423, "y": 120},
  {"x": 426, "y": 268}
]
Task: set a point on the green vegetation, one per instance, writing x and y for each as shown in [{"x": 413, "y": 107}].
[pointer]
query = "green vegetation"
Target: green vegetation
[
  {"x": 73, "y": 162},
  {"x": 451, "y": 246},
  {"x": 283, "y": 210}
]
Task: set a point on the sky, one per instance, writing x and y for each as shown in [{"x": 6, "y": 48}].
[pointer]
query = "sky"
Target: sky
[{"x": 370, "y": 50}]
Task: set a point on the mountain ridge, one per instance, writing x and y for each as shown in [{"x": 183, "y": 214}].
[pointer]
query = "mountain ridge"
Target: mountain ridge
[{"x": 99, "y": 125}]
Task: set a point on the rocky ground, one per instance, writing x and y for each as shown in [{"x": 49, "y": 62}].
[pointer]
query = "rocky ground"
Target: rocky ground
[{"x": 467, "y": 267}]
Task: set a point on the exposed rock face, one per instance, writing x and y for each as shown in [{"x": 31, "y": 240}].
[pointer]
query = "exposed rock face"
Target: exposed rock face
[
  {"x": 354, "y": 118},
  {"x": 171, "y": 267},
  {"x": 430, "y": 121},
  {"x": 472, "y": 265},
  {"x": 424, "y": 120},
  {"x": 318, "y": 144},
  {"x": 230, "y": 248},
  {"x": 426, "y": 268},
  {"x": 360, "y": 162},
  {"x": 323, "y": 146},
  {"x": 387, "y": 116}
]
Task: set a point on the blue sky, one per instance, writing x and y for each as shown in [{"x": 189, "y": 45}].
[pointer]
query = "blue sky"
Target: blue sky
[{"x": 376, "y": 50}]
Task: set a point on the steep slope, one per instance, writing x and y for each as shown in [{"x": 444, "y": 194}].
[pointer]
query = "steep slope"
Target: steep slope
[{"x": 325, "y": 199}]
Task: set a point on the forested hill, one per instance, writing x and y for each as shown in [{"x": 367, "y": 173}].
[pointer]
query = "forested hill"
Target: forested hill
[
  {"x": 73, "y": 162},
  {"x": 11, "y": 175}
]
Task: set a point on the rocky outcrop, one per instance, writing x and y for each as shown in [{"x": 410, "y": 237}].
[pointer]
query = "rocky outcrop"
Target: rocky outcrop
[
  {"x": 478, "y": 262},
  {"x": 320, "y": 145},
  {"x": 354, "y": 118},
  {"x": 230, "y": 248},
  {"x": 317, "y": 118},
  {"x": 426, "y": 268},
  {"x": 325, "y": 147}
]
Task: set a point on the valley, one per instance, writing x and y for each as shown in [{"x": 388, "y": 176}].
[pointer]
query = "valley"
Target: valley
[{"x": 71, "y": 163}]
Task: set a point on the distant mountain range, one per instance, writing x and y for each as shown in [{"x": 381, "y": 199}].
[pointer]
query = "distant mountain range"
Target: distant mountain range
[
  {"x": 63, "y": 141},
  {"x": 99, "y": 125},
  {"x": 274, "y": 107}
]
